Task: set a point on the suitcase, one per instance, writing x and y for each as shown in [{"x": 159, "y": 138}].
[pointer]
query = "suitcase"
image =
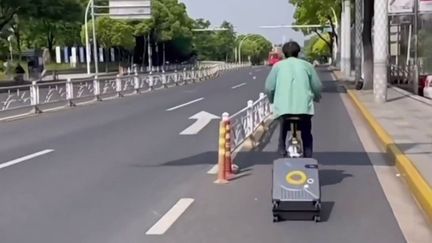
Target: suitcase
[{"x": 296, "y": 189}]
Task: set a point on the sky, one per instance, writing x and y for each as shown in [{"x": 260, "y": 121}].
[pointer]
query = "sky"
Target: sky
[{"x": 248, "y": 15}]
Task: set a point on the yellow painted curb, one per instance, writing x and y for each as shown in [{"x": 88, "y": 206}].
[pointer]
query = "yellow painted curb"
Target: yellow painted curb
[{"x": 417, "y": 183}]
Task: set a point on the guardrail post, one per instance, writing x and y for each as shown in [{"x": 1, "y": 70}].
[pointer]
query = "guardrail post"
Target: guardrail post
[
  {"x": 250, "y": 117},
  {"x": 221, "y": 176},
  {"x": 34, "y": 95},
  {"x": 176, "y": 78},
  {"x": 136, "y": 82},
  {"x": 164, "y": 79},
  {"x": 69, "y": 92},
  {"x": 261, "y": 105},
  {"x": 96, "y": 88},
  {"x": 151, "y": 84},
  {"x": 193, "y": 75},
  {"x": 119, "y": 86}
]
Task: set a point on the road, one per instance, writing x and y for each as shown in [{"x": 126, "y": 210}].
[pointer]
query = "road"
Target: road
[
  {"x": 52, "y": 93},
  {"x": 107, "y": 172}
]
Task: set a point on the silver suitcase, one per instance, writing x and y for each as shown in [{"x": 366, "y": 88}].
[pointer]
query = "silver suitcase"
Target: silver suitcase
[{"x": 296, "y": 189}]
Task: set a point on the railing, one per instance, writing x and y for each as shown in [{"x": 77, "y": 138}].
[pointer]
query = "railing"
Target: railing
[
  {"x": 71, "y": 92},
  {"x": 235, "y": 130},
  {"x": 401, "y": 75},
  {"x": 245, "y": 122}
]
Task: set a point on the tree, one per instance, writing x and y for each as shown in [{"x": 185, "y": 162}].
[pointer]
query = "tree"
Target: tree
[
  {"x": 316, "y": 48},
  {"x": 319, "y": 12},
  {"x": 112, "y": 33},
  {"x": 256, "y": 47},
  {"x": 218, "y": 46},
  {"x": 367, "y": 44},
  {"x": 225, "y": 41},
  {"x": 10, "y": 8},
  {"x": 53, "y": 18}
]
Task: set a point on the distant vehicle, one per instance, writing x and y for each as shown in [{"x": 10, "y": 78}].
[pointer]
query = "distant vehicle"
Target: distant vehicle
[{"x": 274, "y": 57}]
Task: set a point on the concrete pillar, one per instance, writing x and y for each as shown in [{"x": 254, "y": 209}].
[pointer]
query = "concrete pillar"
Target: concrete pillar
[
  {"x": 342, "y": 38},
  {"x": 346, "y": 58},
  {"x": 358, "y": 39},
  {"x": 380, "y": 46}
]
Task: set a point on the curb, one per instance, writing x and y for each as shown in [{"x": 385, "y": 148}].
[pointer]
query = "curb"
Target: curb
[{"x": 417, "y": 184}]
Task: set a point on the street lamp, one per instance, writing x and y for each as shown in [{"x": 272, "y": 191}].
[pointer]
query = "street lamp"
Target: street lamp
[
  {"x": 240, "y": 46},
  {"x": 91, "y": 5}
]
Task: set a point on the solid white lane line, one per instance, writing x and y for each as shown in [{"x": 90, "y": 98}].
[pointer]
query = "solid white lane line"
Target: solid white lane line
[
  {"x": 238, "y": 86},
  {"x": 170, "y": 217},
  {"x": 28, "y": 157},
  {"x": 185, "y": 104}
]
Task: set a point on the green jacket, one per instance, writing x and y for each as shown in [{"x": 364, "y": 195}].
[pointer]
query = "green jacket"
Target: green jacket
[{"x": 292, "y": 87}]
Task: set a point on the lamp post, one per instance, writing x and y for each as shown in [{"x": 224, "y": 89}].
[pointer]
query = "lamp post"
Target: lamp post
[{"x": 90, "y": 4}]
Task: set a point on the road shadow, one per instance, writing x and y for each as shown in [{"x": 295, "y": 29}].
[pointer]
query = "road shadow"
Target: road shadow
[
  {"x": 333, "y": 87},
  {"x": 415, "y": 148}
]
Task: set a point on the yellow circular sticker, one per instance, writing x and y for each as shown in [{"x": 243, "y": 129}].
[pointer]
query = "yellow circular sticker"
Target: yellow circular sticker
[{"x": 296, "y": 178}]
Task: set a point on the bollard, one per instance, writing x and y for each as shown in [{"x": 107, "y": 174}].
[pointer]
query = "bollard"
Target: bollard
[
  {"x": 228, "y": 162},
  {"x": 221, "y": 176}
]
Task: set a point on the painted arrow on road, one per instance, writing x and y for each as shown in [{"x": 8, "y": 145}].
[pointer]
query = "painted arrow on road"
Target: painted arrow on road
[{"x": 202, "y": 118}]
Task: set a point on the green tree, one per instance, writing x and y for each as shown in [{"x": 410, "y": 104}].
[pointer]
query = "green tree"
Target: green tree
[
  {"x": 53, "y": 19},
  {"x": 319, "y": 12},
  {"x": 256, "y": 47},
  {"x": 10, "y": 8}
]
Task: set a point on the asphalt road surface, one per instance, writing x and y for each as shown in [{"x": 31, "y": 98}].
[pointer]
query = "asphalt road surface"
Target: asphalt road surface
[{"x": 109, "y": 172}]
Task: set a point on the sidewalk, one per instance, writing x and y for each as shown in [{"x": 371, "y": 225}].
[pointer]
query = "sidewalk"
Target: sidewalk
[{"x": 404, "y": 126}]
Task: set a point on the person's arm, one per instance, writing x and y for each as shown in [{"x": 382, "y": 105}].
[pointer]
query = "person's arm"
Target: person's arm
[
  {"x": 316, "y": 84},
  {"x": 270, "y": 83}
]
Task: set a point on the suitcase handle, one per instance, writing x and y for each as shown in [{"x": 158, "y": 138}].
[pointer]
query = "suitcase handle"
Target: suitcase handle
[{"x": 311, "y": 166}]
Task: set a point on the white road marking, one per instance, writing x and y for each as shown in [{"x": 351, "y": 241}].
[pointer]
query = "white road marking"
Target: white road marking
[
  {"x": 213, "y": 170},
  {"x": 185, "y": 104},
  {"x": 238, "y": 86},
  {"x": 22, "y": 159},
  {"x": 170, "y": 217},
  {"x": 202, "y": 118}
]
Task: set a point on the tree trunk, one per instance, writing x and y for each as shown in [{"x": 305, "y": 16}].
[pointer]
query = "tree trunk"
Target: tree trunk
[{"x": 367, "y": 44}]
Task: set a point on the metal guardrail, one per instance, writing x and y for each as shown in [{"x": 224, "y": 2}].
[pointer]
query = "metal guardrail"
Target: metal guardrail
[
  {"x": 246, "y": 121},
  {"x": 401, "y": 75},
  {"x": 71, "y": 92},
  {"x": 235, "y": 130}
]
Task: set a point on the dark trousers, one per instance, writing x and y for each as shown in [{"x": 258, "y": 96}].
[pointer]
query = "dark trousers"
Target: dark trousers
[{"x": 304, "y": 126}]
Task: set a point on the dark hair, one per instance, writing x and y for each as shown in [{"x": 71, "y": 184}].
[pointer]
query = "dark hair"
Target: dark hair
[{"x": 291, "y": 49}]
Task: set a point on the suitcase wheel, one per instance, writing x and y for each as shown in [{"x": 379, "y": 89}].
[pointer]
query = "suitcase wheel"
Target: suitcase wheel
[
  {"x": 317, "y": 218},
  {"x": 318, "y": 206},
  {"x": 276, "y": 218},
  {"x": 275, "y": 205}
]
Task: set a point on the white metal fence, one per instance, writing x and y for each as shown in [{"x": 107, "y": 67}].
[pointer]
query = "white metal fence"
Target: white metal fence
[
  {"x": 245, "y": 122},
  {"x": 71, "y": 92}
]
